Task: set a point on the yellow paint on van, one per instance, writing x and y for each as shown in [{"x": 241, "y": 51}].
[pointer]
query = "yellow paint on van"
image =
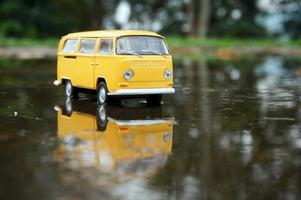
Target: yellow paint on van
[
  {"x": 121, "y": 140},
  {"x": 86, "y": 70}
]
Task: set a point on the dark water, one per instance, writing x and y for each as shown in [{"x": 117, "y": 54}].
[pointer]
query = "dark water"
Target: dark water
[{"x": 231, "y": 131}]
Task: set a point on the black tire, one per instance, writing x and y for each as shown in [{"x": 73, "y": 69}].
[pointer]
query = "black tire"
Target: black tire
[
  {"x": 154, "y": 99},
  {"x": 68, "y": 106},
  {"x": 70, "y": 90},
  {"x": 102, "y": 118},
  {"x": 102, "y": 93}
]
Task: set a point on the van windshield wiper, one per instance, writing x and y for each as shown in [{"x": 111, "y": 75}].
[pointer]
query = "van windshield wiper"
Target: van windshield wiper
[
  {"x": 155, "y": 53},
  {"x": 130, "y": 53}
]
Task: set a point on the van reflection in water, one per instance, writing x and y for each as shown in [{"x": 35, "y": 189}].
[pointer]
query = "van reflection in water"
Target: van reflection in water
[{"x": 119, "y": 140}]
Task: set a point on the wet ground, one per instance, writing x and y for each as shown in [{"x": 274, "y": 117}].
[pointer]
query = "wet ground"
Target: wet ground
[{"x": 231, "y": 131}]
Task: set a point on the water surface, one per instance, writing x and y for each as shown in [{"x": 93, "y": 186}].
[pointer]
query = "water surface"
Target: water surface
[{"x": 231, "y": 131}]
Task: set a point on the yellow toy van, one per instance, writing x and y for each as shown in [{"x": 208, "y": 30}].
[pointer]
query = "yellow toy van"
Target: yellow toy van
[
  {"x": 115, "y": 63},
  {"x": 110, "y": 140}
]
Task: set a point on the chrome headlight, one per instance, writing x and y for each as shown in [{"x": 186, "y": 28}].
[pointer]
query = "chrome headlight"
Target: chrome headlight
[
  {"x": 128, "y": 74},
  {"x": 167, "y": 74}
]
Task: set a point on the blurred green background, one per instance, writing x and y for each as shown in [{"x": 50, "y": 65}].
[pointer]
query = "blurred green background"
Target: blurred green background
[{"x": 44, "y": 19}]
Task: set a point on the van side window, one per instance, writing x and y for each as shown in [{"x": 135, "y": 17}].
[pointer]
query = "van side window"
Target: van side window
[
  {"x": 87, "y": 46},
  {"x": 70, "y": 46},
  {"x": 105, "y": 47}
]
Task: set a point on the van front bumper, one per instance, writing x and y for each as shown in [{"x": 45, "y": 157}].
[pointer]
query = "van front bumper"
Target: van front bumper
[
  {"x": 143, "y": 91},
  {"x": 57, "y": 82}
]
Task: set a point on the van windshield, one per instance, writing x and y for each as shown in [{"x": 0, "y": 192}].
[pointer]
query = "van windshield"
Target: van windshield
[{"x": 141, "y": 45}]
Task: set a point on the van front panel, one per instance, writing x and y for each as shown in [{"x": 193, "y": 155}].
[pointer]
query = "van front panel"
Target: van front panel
[{"x": 148, "y": 71}]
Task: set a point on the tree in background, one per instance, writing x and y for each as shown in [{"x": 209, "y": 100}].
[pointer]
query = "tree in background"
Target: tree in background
[
  {"x": 81, "y": 14},
  {"x": 162, "y": 16},
  {"x": 40, "y": 18},
  {"x": 235, "y": 18},
  {"x": 292, "y": 12},
  {"x": 27, "y": 18},
  {"x": 198, "y": 16}
]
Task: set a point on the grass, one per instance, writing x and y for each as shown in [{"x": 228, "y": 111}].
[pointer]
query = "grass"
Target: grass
[
  {"x": 27, "y": 42},
  {"x": 173, "y": 41},
  {"x": 194, "y": 48}
]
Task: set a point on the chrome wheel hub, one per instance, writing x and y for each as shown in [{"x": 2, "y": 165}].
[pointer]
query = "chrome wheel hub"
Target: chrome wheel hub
[
  {"x": 102, "y": 114},
  {"x": 102, "y": 95},
  {"x": 68, "y": 89},
  {"x": 69, "y": 105}
]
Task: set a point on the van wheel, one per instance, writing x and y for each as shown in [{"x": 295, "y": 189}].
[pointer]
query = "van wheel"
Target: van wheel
[
  {"x": 70, "y": 90},
  {"x": 69, "y": 106},
  {"x": 154, "y": 99},
  {"x": 101, "y": 117},
  {"x": 102, "y": 93}
]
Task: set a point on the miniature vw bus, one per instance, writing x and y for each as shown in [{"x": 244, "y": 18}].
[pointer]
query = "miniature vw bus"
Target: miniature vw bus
[
  {"x": 114, "y": 140},
  {"x": 115, "y": 63}
]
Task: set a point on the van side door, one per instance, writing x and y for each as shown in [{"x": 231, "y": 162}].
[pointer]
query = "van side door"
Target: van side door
[
  {"x": 85, "y": 63},
  {"x": 105, "y": 60}
]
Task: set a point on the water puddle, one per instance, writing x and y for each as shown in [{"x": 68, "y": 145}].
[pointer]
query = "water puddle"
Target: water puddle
[{"x": 231, "y": 131}]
